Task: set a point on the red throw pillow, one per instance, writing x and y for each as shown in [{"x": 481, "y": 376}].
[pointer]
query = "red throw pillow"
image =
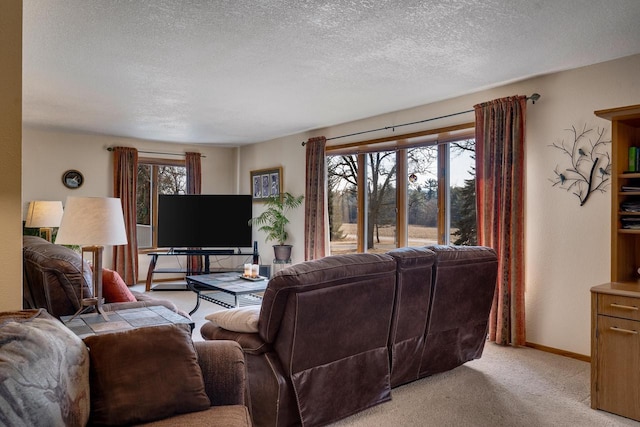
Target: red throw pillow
[{"x": 114, "y": 289}]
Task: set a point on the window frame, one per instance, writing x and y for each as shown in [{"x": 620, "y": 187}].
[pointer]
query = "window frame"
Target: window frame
[
  {"x": 155, "y": 162},
  {"x": 401, "y": 144}
]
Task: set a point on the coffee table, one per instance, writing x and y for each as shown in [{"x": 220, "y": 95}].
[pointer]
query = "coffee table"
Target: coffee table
[
  {"x": 89, "y": 324},
  {"x": 228, "y": 289}
]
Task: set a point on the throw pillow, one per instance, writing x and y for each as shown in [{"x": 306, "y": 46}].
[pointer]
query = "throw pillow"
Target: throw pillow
[
  {"x": 241, "y": 319},
  {"x": 143, "y": 375},
  {"x": 44, "y": 372},
  {"x": 114, "y": 289}
]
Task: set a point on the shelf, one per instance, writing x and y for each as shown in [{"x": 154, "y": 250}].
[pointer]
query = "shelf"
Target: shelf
[
  {"x": 628, "y": 231},
  {"x": 630, "y": 175},
  {"x": 623, "y": 213}
]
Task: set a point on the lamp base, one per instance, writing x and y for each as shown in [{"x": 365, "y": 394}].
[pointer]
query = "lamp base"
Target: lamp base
[
  {"x": 87, "y": 303},
  {"x": 97, "y": 300},
  {"x": 47, "y": 233}
]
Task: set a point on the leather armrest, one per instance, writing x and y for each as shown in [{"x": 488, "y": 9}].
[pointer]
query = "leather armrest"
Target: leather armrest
[{"x": 223, "y": 370}]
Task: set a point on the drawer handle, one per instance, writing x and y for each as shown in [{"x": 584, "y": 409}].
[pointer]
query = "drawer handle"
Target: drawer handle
[
  {"x": 624, "y": 307},
  {"x": 626, "y": 331}
]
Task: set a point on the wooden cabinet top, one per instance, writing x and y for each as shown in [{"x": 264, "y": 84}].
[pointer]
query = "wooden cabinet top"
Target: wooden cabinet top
[
  {"x": 627, "y": 289},
  {"x": 620, "y": 113}
]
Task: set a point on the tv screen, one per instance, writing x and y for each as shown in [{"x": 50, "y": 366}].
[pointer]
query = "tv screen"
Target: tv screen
[{"x": 204, "y": 221}]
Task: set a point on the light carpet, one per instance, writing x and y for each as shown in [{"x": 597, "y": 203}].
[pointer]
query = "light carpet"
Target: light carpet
[{"x": 507, "y": 387}]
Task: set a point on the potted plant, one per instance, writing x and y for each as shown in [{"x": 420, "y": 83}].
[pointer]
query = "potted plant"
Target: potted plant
[{"x": 273, "y": 221}]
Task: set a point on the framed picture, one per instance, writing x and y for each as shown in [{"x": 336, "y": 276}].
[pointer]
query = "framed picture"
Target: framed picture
[
  {"x": 266, "y": 183},
  {"x": 72, "y": 179}
]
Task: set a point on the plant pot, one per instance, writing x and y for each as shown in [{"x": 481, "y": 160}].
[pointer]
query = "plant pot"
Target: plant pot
[{"x": 282, "y": 252}]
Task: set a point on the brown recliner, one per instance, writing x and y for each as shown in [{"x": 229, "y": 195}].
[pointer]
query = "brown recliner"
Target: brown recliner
[
  {"x": 414, "y": 283},
  {"x": 56, "y": 278},
  {"x": 464, "y": 284},
  {"x": 321, "y": 351}
]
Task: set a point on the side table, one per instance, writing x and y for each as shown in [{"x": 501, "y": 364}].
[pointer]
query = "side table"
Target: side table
[{"x": 89, "y": 324}]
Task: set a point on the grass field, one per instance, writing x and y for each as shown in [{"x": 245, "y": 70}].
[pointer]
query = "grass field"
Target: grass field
[{"x": 418, "y": 236}]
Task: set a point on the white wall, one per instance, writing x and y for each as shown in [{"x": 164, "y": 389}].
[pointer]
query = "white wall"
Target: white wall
[
  {"x": 11, "y": 158},
  {"x": 567, "y": 246},
  {"x": 48, "y": 154}
]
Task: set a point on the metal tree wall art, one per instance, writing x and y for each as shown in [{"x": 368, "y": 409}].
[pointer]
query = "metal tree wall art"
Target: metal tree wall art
[{"x": 590, "y": 167}]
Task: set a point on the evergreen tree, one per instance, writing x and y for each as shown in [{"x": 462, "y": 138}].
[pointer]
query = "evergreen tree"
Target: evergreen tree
[{"x": 464, "y": 207}]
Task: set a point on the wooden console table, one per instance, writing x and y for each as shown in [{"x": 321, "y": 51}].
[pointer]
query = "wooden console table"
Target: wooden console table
[{"x": 206, "y": 253}]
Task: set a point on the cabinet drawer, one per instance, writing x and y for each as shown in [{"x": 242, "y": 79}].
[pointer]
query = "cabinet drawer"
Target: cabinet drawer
[
  {"x": 618, "y": 366},
  {"x": 619, "y": 306}
]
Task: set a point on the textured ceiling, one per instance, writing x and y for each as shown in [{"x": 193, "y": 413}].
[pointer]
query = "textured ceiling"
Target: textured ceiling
[{"x": 242, "y": 71}]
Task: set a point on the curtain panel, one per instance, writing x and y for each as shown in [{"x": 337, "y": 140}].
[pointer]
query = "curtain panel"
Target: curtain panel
[
  {"x": 500, "y": 134},
  {"x": 125, "y": 176},
  {"x": 315, "y": 207},
  {"x": 194, "y": 186}
]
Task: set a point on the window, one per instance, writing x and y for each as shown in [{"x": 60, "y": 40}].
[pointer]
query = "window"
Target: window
[
  {"x": 155, "y": 176},
  {"x": 371, "y": 209}
]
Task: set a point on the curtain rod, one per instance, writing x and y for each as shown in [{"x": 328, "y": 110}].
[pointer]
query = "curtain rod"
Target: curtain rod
[
  {"x": 158, "y": 152},
  {"x": 534, "y": 97}
]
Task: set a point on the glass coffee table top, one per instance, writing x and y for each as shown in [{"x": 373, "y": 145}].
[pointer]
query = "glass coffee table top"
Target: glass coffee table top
[{"x": 226, "y": 289}]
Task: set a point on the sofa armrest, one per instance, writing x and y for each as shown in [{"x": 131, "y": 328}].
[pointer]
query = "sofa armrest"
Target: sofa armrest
[{"x": 224, "y": 371}]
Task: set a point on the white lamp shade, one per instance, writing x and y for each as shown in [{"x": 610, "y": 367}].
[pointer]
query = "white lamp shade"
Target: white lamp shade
[
  {"x": 92, "y": 221},
  {"x": 44, "y": 214}
]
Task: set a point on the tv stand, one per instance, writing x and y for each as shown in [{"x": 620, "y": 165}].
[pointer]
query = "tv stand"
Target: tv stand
[
  {"x": 200, "y": 252},
  {"x": 206, "y": 253}
]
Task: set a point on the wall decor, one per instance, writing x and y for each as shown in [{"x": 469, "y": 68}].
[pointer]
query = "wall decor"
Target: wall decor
[
  {"x": 266, "y": 183},
  {"x": 72, "y": 179},
  {"x": 589, "y": 167}
]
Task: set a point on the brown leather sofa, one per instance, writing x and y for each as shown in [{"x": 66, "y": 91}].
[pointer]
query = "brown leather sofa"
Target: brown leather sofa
[
  {"x": 336, "y": 334},
  {"x": 56, "y": 278}
]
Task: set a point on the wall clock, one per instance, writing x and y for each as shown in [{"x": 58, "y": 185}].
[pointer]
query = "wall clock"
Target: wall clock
[{"x": 72, "y": 179}]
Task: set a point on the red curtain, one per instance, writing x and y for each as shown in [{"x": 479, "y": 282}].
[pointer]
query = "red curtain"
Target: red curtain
[
  {"x": 125, "y": 176},
  {"x": 500, "y": 132},
  {"x": 315, "y": 207},
  {"x": 194, "y": 186}
]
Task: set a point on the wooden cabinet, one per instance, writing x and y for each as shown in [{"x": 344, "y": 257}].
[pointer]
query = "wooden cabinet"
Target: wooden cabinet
[
  {"x": 615, "y": 306},
  {"x": 615, "y": 349},
  {"x": 625, "y": 243}
]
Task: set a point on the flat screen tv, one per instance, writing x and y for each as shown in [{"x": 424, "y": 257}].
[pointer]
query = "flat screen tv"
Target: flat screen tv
[{"x": 204, "y": 221}]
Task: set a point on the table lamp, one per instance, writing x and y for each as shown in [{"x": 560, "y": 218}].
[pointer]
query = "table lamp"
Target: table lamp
[
  {"x": 44, "y": 215},
  {"x": 93, "y": 222}
]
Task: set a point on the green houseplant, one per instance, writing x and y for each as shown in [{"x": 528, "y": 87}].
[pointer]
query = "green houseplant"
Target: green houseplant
[{"x": 273, "y": 222}]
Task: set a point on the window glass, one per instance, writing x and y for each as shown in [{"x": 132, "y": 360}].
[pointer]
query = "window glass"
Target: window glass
[
  {"x": 422, "y": 195},
  {"x": 154, "y": 179},
  {"x": 463, "y": 193},
  {"x": 439, "y": 195},
  {"x": 381, "y": 202},
  {"x": 343, "y": 203}
]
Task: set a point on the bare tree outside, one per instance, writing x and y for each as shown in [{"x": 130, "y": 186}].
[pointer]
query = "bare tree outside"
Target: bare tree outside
[
  {"x": 170, "y": 180},
  {"x": 422, "y": 198}
]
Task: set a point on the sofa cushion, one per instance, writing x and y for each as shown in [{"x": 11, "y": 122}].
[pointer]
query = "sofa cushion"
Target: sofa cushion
[
  {"x": 114, "y": 289},
  {"x": 144, "y": 374},
  {"x": 228, "y": 415},
  {"x": 241, "y": 319},
  {"x": 44, "y": 372}
]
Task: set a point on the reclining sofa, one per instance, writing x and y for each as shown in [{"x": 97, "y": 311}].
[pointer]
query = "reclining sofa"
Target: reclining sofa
[
  {"x": 56, "y": 278},
  {"x": 335, "y": 335}
]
